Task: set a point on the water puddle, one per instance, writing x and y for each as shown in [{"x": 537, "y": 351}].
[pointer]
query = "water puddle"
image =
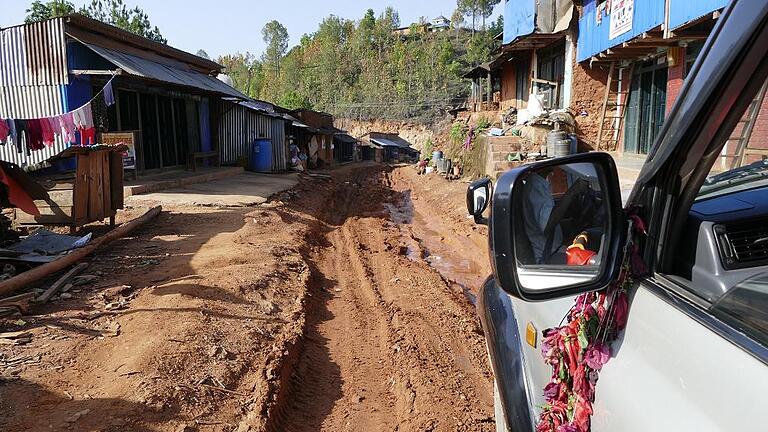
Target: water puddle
[{"x": 427, "y": 239}]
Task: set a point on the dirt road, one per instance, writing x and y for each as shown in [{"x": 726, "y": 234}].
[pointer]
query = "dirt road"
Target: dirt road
[{"x": 343, "y": 304}]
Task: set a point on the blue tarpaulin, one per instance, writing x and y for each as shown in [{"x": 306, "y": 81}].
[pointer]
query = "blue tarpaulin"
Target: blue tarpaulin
[{"x": 519, "y": 19}]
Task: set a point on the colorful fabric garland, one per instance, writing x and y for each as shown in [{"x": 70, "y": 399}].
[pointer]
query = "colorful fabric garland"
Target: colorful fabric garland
[{"x": 578, "y": 350}]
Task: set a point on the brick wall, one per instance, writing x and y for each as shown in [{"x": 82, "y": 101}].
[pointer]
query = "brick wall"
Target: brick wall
[
  {"x": 675, "y": 78},
  {"x": 759, "y": 138}
]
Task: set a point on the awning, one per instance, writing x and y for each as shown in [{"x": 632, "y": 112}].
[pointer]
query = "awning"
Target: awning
[
  {"x": 345, "y": 138},
  {"x": 169, "y": 71}
]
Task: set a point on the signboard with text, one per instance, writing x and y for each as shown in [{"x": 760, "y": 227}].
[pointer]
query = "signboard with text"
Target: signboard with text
[
  {"x": 127, "y": 138},
  {"x": 622, "y": 12}
]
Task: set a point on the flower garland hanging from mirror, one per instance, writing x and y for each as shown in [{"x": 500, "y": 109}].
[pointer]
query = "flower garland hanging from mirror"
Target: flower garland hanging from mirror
[{"x": 578, "y": 350}]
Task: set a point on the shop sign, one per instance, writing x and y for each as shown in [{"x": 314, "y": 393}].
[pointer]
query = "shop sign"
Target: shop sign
[
  {"x": 126, "y": 138},
  {"x": 622, "y": 12}
]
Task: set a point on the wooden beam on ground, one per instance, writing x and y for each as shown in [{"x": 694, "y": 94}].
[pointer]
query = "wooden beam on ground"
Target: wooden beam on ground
[
  {"x": 50, "y": 292},
  {"x": 25, "y": 279}
]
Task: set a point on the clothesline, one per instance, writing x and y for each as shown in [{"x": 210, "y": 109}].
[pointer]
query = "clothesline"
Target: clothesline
[{"x": 41, "y": 132}]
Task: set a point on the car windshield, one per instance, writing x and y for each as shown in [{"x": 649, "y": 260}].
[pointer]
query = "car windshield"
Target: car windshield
[{"x": 740, "y": 178}]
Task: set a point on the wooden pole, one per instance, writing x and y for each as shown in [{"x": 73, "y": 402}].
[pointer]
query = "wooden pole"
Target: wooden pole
[{"x": 25, "y": 279}]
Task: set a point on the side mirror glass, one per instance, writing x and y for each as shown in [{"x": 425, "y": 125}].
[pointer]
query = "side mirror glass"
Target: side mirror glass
[
  {"x": 478, "y": 197},
  {"x": 557, "y": 227}
]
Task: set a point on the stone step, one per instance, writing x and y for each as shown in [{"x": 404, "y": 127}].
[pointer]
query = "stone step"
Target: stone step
[{"x": 504, "y": 166}]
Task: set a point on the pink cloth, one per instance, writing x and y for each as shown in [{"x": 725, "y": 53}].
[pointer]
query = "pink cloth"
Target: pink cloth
[
  {"x": 4, "y": 131},
  {"x": 67, "y": 124}
]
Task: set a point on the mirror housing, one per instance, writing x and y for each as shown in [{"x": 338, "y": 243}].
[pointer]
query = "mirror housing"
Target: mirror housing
[
  {"x": 544, "y": 280},
  {"x": 478, "y": 197}
]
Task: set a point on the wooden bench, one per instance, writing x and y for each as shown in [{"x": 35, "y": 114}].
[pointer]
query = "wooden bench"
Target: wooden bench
[{"x": 202, "y": 156}]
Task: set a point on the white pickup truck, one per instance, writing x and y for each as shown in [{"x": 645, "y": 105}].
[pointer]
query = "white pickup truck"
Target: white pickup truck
[{"x": 681, "y": 341}]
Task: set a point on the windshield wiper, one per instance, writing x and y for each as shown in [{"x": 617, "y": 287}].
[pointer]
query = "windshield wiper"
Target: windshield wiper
[{"x": 747, "y": 171}]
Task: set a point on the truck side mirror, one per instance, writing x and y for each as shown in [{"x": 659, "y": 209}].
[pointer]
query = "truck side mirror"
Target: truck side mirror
[
  {"x": 557, "y": 227},
  {"x": 478, "y": 197}
]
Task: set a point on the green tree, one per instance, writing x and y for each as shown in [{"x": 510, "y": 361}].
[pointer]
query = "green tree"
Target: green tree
[
  {"x": 116, "y": 13},
  {"x": 245, "y": 71},
  {"x": 276, "y": 37},
  {"x": 497, "y": 26},
  {"x": 40, "y": 11},
  {"x": 365, "y": 70},
  {"x": 457, "y": 21},
  {"x": 470, "y": 8},
  {"x": 485, "y": 8},
  {"x": 203, "y": 54}
]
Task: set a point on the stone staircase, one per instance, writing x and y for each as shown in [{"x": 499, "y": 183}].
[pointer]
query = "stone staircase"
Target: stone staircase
[{"x": 498, "y": 150}]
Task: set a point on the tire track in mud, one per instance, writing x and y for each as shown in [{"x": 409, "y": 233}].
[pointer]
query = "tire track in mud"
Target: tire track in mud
[{"x": 387, "y": 345}]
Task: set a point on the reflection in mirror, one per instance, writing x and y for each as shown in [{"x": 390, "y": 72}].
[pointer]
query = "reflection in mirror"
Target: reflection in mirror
[
  {"x": 480, "y": 197},
  {"x": 561, "y": 218}
]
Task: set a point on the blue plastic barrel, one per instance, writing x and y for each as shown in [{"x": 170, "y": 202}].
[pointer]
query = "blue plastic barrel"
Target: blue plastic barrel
[{"x": 261, "y": 156}]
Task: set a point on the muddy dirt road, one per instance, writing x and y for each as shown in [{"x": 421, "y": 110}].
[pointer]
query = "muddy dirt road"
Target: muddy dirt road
[{"x": 343, "y": 304}]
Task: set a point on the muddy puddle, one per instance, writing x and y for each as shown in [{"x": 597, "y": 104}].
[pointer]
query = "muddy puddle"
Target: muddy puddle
[{"x": 430, "y": 238}]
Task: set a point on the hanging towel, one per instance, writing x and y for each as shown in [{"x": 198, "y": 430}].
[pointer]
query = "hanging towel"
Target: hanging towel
[
  {"x": 67, "y": 123},
  {"x": 34, "y": 136},
  {"x": 83, "y": 117},
  {"x": 87, "y": 115},
  {"x": 109, "y": 94},
  {"x": 53, "y": 124},
  {"x": 4, "y": 131},
  {"x": 46, "y": 132}
]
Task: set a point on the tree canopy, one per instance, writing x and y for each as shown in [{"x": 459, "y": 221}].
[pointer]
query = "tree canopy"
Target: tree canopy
[
  {"x": 365, "y": 68},
  {"x": 113, "y": 12}
]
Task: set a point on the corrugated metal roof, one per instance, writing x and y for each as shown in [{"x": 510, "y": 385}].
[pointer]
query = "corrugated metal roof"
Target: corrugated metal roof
[
  {"x": 258, "y": 105},
  {"x": 33, "y": 54},
  {"x": 105, "y": 31},
  {"x": 171, "y": 72},
  {"x": 345, "y": 138},
  {"x": 385, "y": 142}
]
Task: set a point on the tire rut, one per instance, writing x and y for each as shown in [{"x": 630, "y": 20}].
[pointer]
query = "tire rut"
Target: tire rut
[{"x": 379, "y": 354}]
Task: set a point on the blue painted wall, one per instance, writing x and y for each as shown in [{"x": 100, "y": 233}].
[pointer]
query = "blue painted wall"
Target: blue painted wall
[
  {"x": 519, "y": 19},
  {"x": 593, "y": 37},
  {"x": 683, "y": 11}
]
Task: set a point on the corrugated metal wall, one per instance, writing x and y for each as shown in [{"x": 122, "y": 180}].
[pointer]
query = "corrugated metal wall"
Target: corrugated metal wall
[
  {"x": 33, "y": 54},
  {"x": 240, "y": 126},
  {"x": 279, "y": 145},
  {"x": 33, "y": 79},
  {"x": 594, "y": 37},
  {"x": 683, "y": 11}
]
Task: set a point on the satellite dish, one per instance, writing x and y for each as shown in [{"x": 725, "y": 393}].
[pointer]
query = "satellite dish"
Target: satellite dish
[{"x": 226, "y": 79}]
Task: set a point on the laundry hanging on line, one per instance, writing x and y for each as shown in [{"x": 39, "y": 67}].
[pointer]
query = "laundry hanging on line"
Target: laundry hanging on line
[{"x": 35, "y": 134}]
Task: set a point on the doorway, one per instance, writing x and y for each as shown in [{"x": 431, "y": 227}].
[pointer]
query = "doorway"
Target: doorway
[{"x": 646, "y": 107}]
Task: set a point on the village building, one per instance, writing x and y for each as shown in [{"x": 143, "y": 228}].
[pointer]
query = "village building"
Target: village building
[
  {"x": 168, "y": 103},
  {"x": 612, "y": 68},
  {"x": 634, "y": 58},
  {"x": 388, "y": 147}
]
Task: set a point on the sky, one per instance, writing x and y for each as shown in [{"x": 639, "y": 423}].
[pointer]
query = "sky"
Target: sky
[{"x": 229, "y": 26}]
